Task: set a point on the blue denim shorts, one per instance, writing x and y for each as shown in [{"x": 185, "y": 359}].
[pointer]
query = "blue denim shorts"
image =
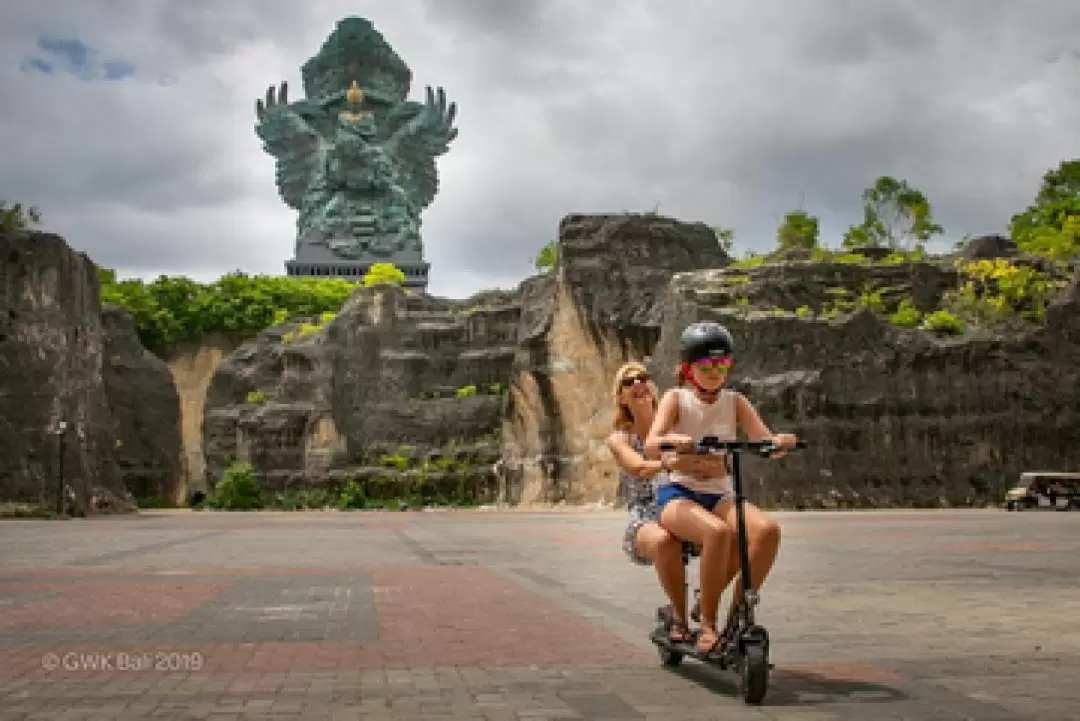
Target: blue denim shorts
[{"x": 670, "y": 491}]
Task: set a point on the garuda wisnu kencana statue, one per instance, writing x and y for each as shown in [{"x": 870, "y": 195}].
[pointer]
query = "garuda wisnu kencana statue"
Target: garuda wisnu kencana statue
[{"x": 356, "y": 158}]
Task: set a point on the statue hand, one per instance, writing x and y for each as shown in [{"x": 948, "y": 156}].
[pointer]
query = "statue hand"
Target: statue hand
[
  {"x": 274, "y": 100},
  {"x": 438, "y": 119}
]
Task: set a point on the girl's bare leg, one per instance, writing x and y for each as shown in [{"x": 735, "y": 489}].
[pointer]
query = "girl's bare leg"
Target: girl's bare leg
[
  {"x": 686, "y": 519},
  {"x": 763, "y": 535}
]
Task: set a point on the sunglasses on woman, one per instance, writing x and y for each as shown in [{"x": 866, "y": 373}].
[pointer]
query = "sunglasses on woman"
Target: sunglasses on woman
[{"x": 631, "y": 380}]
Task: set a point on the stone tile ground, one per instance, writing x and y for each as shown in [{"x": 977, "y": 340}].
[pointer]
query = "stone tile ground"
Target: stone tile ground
[{"x": 524, "y": 616}]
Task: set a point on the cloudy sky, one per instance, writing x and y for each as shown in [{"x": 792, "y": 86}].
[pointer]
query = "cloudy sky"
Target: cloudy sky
[{"x": 129, "y": 123}]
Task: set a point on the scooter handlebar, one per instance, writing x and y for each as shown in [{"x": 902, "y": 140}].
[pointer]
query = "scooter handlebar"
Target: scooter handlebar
[{"x": 712, "y": 444}]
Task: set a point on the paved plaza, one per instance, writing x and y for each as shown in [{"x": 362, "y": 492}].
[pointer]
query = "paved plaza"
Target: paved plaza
[{"x": 524, "y": 616}]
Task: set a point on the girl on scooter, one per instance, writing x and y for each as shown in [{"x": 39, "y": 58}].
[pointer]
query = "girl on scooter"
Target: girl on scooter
[
  {"x": 700, "y": 508},
  {"x": 644, "y": 541}
]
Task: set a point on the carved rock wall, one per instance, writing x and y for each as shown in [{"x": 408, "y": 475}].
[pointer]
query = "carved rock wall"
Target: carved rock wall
[
  {"x": 145, "y": 408},
  {"x": 405, "y": 377},
  {"x": 51, "y": 357},
  {"x": 601, "y": 308},
  {"x": 192, "y": 368},
  {"x": 895, "y": 417}
]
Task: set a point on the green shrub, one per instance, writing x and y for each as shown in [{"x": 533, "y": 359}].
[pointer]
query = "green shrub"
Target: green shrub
[
  {"x": 906, "y": 315},
  {"x": 352, "y": 496},
  {"x": 996, "y": 289},
  {"x": 237, "y": 490},
  {"x": 943, "y": 322},
  {"x": 383, "y": 274}
]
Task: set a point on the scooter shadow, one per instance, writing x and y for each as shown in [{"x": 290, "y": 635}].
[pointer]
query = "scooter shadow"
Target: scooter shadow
[{"x": 791, "y": 687}]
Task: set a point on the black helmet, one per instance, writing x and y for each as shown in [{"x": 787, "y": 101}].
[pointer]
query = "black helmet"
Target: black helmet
[{"x": 701, "y": 340}]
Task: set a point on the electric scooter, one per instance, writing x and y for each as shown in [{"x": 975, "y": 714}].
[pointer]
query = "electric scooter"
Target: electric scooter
[{"x": 746, "y": 644}]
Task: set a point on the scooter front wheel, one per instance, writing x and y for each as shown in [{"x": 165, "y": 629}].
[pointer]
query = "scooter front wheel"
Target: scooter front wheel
[{"x": 754, "y": 674}]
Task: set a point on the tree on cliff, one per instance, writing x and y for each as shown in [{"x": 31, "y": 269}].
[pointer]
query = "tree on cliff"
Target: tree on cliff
[
  {"x": 383, "y": 274},
  {"x": 16, "y": 217},
  {"x": 798, "y": 231},
  {"x": 895, "y": 215},
  {"x": 726, "y": 238},
  {"x": 545, "y": 260},
  {"x": 1050, "y": 226}
]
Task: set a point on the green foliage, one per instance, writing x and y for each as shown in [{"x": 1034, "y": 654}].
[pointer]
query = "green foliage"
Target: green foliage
[
  {"x": 383, "y": 274},
  {"x": 465, "y": 391},
  {"x": 999, "y": 289},
  {"x": 256, "y": 398},
  {"x": 726, "y": 238},
  {"x": 177, "y": 310},
  {"x": 1050, "y": 227},
  {"x": 307, "y": 328},
  {"x": 750, "y": 261},
  {"x": 17, "y": 217},
  {"x": 352, "y": 496},
  {"x": 395, "y": 460},
  {"x": 798, "y": 231},
  {"x": 237, "y": 490},
  {"x": 943, "y": 322},
  {"x": 547, "y": 258},
  {"x": 895, "y": 215},
  {"x": 872, "y": 299},
  {"x": 906, "y": 315},
  {"x": 804, "y": 311}
]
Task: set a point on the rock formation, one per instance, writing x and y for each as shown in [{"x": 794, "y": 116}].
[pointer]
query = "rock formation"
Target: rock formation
[
  {"x": 402, "y": 397},
  {"x": 895, "y": 417},
  {"x": 51, "y": 359},
  {"x": 145, "y": 409},
  {"x": 601, "y": 308},
  {"x": 402, "y": 394}
]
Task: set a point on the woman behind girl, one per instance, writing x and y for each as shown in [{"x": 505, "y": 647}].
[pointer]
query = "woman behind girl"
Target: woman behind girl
[{"x": 644, "y": 541}]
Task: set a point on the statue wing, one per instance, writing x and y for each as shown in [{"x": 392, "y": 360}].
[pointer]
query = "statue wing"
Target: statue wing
[
  {"x": 417, "y": 135},
  {"x": 289, "y": 135}
]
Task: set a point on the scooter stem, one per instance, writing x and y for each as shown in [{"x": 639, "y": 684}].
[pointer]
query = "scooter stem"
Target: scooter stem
[{"x": 749, "y": 592}]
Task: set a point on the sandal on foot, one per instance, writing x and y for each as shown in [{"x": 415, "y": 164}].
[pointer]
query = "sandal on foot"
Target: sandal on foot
[
  {"x": 678, "y": 631},
  {"x": 716, "y": 646}
]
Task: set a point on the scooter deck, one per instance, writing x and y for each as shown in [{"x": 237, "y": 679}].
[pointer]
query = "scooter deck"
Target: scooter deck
[{"x": 721, "y": 658}]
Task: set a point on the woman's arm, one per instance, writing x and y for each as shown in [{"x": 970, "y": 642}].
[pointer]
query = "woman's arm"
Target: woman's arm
[
  {"x": 667, "y": 415},
  {"x": 630, "y": 460}
]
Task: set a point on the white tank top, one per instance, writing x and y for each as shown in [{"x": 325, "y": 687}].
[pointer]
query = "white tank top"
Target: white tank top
[{"x": 697, "y": 419}]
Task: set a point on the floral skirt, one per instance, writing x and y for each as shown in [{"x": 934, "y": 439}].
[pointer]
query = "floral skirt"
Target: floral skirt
[{"x": 640, "y": 514}]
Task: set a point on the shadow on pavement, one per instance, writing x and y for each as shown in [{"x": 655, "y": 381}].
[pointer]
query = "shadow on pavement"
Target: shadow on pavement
[{"x": 797, "y": 687}]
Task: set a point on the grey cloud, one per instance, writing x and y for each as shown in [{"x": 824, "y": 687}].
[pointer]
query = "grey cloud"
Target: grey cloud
[{"x": 729, "y": 113}]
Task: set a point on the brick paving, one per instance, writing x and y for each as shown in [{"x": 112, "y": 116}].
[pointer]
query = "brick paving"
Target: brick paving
[{"x": 523, "y": 616}]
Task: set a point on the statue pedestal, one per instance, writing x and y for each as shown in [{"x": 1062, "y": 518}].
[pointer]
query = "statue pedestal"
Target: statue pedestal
[{"x": 416, "y": 274}]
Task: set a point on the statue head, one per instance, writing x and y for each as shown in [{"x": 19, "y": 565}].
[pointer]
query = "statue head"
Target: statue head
[{"x": 356, "y": 51}]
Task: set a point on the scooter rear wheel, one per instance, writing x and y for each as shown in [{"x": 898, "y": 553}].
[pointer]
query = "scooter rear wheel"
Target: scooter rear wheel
[{"x": 754, "y": 674}]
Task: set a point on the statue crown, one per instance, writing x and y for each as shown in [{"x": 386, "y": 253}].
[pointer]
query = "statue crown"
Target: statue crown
[{"x": 354, "y": 97}]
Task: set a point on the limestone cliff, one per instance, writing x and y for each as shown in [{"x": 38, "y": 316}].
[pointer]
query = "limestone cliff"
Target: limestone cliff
[
  {"x": 395, "y": 388},
  {"x": 895, "y": 417},
  {"x": 601, "y": 308},
  {"x": 51, "y": 358},
  {"x": 145, "y": 410}
]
